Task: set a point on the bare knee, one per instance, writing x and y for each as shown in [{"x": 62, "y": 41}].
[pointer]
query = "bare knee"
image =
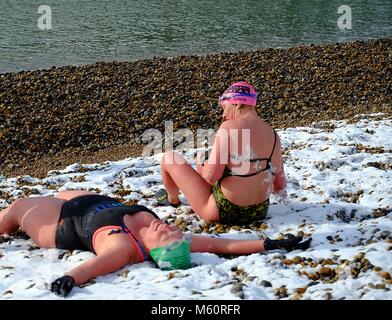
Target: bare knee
[
  {"x": 168, "y": 157},
  {"x": 210, "y": 218},
  {"x": 172, "y": 157},
  {"x": 208, "y": 214}
]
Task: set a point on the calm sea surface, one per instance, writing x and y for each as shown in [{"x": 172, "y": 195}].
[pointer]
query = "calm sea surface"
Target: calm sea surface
[{"x": 87, "y": 31}]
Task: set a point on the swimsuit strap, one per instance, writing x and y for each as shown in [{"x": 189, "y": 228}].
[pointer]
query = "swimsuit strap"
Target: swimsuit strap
[
  {"x": 269, "y": 161},
  {"x": 231, "y": 174},
  {"x": 117, "y": 229},
  {"x": 142, "y": 253},
  {"x": 268, "y": 168},
  {"x": 259, "y": 159},
  {"x": 102, "y": 229},
  {"x": 273, "y": 148}
]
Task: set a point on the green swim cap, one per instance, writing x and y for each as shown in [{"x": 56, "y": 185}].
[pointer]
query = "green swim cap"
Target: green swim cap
[{"x": 176, "y": 255}]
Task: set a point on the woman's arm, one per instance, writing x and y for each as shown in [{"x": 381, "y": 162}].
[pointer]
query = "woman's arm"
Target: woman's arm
[
  {"x": 279, "y": 182},
  {"x": 213, "y": 168},
  {"x": 225, "y": 246},
  {"x": 200, "y": 162},
  {"x": 106, "y": 262},
  {"x": 238, "y": 247}
]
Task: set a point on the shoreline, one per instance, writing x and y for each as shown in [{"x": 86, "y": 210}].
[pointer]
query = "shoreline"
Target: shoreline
[
  {"x": 92, "y": 113},
  {"x": 196, "y": 55}
]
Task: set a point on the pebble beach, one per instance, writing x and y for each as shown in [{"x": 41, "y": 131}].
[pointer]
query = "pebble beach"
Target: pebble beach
[
  {"x": 80, "y": 127},
  {"x": 338, "y": 183},
  {"x": 93, "y": 113}
]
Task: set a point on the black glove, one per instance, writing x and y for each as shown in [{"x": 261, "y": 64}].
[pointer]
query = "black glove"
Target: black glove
[
  {"x": 291, "y": 243},
  {"x": 63, "y": 286}
]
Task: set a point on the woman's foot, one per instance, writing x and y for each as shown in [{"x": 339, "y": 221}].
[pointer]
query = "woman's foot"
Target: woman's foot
[{"x": 165, "y": 200}]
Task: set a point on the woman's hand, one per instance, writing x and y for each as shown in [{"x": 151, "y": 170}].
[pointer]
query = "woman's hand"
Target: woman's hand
[
  {"x": 63, "y": 286},
  {"x": 199, "y": 163},
  {"x": 282, "y": 197},
  {"x": 289, "y": 244},
  {"x": 106, "y": 261},
  {"x": 199, "y": 158},
  {"x": 202, "y": 157}
]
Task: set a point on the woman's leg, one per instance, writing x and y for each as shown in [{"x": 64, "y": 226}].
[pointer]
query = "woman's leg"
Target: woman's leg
[
  {"x": 69, "y": 194},
  {"x": 37, "y": 216},
  {"x": 178, "y": 175}
]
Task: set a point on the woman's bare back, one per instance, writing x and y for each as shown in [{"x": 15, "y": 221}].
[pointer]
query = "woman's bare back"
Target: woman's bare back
[{"x": 257, "y": 188}]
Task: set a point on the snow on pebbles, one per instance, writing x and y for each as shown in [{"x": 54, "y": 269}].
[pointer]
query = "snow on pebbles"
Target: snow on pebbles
[{"x": 339, "y": 185}]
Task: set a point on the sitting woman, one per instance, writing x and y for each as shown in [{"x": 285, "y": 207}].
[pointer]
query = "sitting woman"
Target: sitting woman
[
  {"x": 244, "y": 166},
  {"x": 117, "y": 234}
]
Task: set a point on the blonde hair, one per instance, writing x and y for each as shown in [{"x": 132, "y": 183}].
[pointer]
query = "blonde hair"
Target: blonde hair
[{"x": 244, "y": 108}]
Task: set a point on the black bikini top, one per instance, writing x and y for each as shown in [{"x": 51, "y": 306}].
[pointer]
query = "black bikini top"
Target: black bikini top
[{"x": 228, "y": 173}]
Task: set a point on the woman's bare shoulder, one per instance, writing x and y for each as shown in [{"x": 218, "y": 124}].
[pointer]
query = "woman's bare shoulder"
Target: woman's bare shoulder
[{"x": 232, "y": 124}]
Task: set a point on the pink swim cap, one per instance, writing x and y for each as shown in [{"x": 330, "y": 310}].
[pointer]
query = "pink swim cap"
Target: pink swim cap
[{"x": 239, "y": 93}]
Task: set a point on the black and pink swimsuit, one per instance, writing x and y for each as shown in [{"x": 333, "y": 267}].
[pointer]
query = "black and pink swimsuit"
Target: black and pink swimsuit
[{"x": 83, "y": 216}]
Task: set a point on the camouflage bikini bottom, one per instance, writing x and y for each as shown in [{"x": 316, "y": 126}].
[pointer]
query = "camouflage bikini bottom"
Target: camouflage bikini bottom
[{"x": 230, "y": 213}]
